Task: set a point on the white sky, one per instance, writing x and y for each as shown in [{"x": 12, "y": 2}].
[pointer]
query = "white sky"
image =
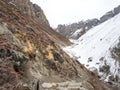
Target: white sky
[{"x": 69, "y": 11}]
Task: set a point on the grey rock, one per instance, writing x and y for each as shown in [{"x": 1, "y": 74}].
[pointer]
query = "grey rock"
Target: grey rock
[
  {"x": 104, "y": 68},
  {"x": 69, "y": 30},
  {"x": 107, "y": 16}
]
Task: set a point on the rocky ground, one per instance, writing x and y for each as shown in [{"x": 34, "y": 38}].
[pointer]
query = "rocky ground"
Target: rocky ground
[{"x": 31, "y": 57}]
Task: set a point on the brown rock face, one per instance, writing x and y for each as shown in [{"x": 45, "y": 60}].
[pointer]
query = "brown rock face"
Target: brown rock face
[
  {"x": 31, "y": 59},
  {"x": 33, "y": 10}
]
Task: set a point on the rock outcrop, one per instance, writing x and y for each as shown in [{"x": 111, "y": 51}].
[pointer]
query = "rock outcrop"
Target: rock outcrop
[
  {"x": 110, "y": 14},
  {"x": 32, "y": 10},
  {"x": 31, "y": 57}
]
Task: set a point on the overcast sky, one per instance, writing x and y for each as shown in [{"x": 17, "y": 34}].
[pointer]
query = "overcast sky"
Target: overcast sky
[{"x": 69, "y": 11}]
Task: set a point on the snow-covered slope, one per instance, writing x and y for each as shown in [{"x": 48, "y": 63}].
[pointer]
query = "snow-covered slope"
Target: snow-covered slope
[{"x": 94, "y": 47}]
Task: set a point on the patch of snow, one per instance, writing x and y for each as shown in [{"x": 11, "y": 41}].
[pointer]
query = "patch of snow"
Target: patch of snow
[
  {"x": 77, "y": 32},
  {"x": 86, "y": 28},
  {"x": 96, "y": 44}
]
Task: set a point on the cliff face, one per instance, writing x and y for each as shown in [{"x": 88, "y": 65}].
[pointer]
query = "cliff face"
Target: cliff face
[
  {"x": 32, "y": 10},
  {"x": 31, "y": 59}
]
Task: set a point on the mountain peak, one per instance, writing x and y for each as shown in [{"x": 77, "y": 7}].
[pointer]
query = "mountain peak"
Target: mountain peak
[{"x": 32, "y": 10}]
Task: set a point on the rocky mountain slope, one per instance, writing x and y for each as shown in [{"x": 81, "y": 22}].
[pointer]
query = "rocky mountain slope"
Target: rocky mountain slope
[
  {"x": 31, "y": 57},
  {"x": 75, "y": 30},
  {"x": 30, "y": 9},
  {"x": 98, "y": 50}
]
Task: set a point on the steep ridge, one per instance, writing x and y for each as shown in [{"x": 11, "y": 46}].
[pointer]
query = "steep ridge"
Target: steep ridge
[
  {"x": 36, "y": 13},
  {"x": 76, "y": 30},
  {"x": 31, "y": 10},
  {"x": 98, "y": 50},
  {"x": 31, "y": 59}
]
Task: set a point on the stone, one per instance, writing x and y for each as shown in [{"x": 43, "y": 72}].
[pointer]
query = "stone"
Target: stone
[{"x": 104, "y": 68}]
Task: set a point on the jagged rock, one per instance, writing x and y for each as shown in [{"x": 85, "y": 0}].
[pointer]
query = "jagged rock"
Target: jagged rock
[
  {"x": 107, "y": 16},
  {"x": 69, "y": 31},
  {"x": 117, "y": 10},
  {"x": 104, "y": 68},
  {"x": 110, "y": 14},
  {"x": 31, "y": 10}
]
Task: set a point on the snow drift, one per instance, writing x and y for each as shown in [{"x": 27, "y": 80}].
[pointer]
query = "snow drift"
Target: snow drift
[{"x": 93, "y": 49}]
